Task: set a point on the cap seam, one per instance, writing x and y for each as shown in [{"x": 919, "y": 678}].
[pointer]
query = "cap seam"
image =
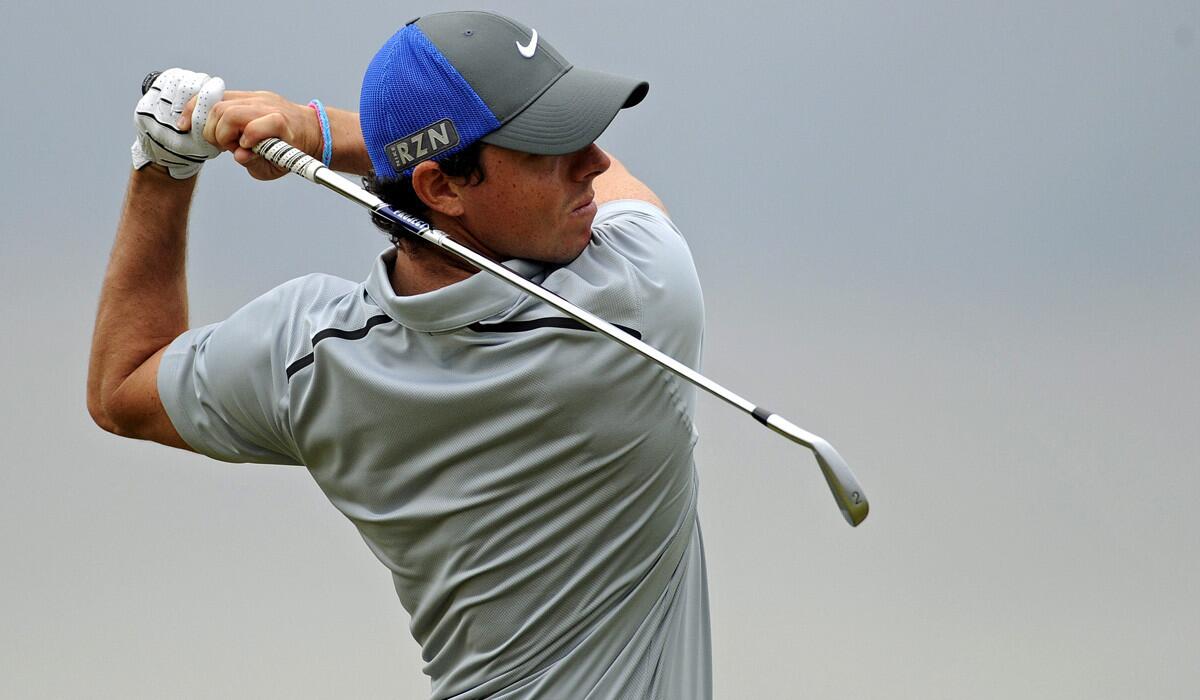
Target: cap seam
[{"x": 534, "y": 98}]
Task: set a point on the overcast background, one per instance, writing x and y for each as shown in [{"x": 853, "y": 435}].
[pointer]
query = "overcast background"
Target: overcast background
[{"x": 961, "y": 241}]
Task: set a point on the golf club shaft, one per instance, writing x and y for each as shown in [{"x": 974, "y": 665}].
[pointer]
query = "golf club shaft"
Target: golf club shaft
[{"x": 845, "y": 487}]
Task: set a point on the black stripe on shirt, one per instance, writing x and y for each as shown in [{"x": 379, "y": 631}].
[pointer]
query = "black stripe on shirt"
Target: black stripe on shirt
[
  {"x": 356, "y": 334},
  {"x": 552, "y": 322}
]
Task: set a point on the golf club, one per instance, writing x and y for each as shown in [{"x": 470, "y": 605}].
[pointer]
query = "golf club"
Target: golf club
[{"x": 842, "y": 483}]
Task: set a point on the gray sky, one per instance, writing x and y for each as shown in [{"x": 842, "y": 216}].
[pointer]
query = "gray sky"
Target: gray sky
[{"x": 959, "y": 240}]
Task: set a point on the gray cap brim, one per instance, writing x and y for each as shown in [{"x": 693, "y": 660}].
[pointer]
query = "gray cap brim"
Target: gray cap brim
[{"x": 570, "y": 114}]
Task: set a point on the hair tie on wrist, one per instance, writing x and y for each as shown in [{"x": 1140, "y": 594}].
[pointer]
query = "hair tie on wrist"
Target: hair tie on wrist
[{"x": 326, "y": 136}]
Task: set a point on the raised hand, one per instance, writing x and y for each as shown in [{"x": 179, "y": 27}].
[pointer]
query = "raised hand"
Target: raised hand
[{"x": 160, "y": 137}]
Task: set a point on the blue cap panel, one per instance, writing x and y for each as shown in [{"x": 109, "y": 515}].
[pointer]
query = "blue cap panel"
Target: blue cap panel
[{"x": 410, "y": 87}]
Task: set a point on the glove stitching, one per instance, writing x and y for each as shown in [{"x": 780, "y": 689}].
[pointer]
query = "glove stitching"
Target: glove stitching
[
  {"x": 185, "y": 157},
  {"x": 172, "y": 128}
]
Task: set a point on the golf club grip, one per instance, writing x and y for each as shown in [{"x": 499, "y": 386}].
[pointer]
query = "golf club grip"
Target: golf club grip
[{"x": 288, "y": 157}]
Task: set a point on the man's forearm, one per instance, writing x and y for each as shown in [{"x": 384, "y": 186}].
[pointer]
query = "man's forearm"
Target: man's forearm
[
  {"x": 618, "y": 183},
  {"x": 143, "y": 303}
]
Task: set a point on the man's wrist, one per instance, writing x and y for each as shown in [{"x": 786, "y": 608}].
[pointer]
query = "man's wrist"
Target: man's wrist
[
  {"x": 155, "y": 177},
  {"x": 349, "y": 151},
  {"x": 153, "y": 169},
  {"x": 159, "y": 173}
]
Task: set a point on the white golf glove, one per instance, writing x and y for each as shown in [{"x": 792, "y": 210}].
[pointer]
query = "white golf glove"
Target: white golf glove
[{"x": 158, "y": 139}]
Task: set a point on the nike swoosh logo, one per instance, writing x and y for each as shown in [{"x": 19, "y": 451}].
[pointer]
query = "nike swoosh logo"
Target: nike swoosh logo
[{"x": 528, "y": 51}]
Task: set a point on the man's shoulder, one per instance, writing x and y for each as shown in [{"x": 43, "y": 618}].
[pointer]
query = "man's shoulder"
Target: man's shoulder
[
  {"x": 639, "y": 272},
  {"x": 290, "y": 314},
  {"x": 642, "y": 235},
  {"x": 613, "y": 211},
  {"x": 313, "y": 288},
  {"x": 311, "y": 297}
]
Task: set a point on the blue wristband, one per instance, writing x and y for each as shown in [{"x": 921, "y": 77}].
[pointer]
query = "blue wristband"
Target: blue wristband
[{"x": 326, "y": 137}]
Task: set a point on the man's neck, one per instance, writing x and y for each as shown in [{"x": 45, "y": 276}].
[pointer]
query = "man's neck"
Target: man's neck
[{"x": 422, "y": 267}]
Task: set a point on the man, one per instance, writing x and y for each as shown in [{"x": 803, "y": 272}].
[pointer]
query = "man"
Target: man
[{"x": 528, "y": 483}]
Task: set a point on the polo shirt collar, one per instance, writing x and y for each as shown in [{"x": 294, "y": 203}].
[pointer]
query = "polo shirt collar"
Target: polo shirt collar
[{"x": 476, "y": 298}]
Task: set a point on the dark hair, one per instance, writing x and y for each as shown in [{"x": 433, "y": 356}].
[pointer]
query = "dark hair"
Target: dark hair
[{"x": 398, "y": 192}]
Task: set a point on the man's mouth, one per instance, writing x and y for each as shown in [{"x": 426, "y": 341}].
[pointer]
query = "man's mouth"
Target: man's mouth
[{"x": 585, "y": 206}]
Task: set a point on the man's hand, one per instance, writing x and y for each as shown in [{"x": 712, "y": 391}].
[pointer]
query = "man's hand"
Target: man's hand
[
  {"x": 160, "y": 139},
  {"x": 238, "y": 122},
  {"x": 243, "y": 119}
]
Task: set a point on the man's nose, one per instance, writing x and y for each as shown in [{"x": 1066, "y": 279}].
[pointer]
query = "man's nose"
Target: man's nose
[{"x": 591, "y": 161}]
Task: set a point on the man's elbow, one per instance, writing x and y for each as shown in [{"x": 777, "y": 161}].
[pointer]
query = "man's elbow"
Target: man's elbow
[
  {"x": 128, "y": 405},
  {"x": 100, "y": 419},
  {"x": 102, "y": 416},
  {"x": 134, "y": 410},
  {"x": 116, "y": 411},
  {"x": 95, "y": 405}
]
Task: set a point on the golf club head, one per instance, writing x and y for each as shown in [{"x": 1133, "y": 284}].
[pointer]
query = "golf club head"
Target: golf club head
[
  {"x": 846, "y": 489},
  {"x": 850, "y": 497}
]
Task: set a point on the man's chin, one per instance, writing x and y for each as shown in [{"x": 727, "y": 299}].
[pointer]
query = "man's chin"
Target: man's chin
[{"x": 568, "y": 255}]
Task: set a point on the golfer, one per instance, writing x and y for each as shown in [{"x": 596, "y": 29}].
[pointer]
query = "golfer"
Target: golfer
[{"x": 528, "y": 483}]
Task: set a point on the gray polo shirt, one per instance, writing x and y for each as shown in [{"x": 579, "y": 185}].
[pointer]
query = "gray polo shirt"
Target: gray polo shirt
[{"x": 528, "y": 482}]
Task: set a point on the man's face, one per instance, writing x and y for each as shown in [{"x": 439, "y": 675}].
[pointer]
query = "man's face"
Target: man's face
[{"x": 532, "y": 206}]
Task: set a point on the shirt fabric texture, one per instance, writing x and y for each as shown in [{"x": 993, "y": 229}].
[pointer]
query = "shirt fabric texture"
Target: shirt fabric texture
[{"x": 529, "y": 483}]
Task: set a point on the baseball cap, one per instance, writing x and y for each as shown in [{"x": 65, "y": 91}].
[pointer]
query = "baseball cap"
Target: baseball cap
[{"x": 447, "y": 80}]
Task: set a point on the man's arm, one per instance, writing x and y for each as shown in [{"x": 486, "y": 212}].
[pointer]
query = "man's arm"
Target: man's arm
[
  {"x": 143, "y": 307},
  {"x": 143, "y": 302},
  {"x": 617, "y": 183}
]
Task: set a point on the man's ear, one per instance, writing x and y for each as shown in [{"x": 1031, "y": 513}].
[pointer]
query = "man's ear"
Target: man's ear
[{"x": 439, "y": 192}]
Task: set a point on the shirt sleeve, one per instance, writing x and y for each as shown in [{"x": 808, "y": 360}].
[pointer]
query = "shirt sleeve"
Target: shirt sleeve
[
  {"x": 659, "y": 269},
  {"x": 224, "y": 386}
]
